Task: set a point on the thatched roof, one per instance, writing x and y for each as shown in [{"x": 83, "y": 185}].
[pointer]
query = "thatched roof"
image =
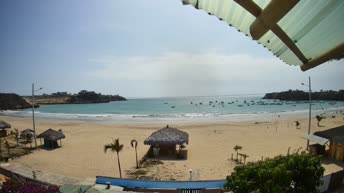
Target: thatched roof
[
  {"x": 335, "y": 134},
  {"x": 51, "y": 134},
  {"x": 167, "y": 136},
  {"x": 27, "y": 132},
  {"x": 4, "y": 125}
]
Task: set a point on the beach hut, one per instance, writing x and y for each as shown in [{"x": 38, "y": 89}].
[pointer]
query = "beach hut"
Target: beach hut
[
  {"x": 165, "y": 140},
  {"x": 336, "y": 138},
  {"x": 3, "y": 128},
  {"x": 27, "y": 133},
  {"x": 51, "y": 137}
]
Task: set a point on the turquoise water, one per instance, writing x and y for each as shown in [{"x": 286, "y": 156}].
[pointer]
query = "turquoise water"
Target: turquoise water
[{"x": 182, "y": 108}]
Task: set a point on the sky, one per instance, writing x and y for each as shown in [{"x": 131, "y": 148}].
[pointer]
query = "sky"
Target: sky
[{"x": 139, "y": 48}]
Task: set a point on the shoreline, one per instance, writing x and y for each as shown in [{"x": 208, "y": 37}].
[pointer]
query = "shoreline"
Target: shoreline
[{"x": 175, "y": 118}]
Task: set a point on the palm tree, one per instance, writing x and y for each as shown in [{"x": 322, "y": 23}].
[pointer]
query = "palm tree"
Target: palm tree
[
  {"x": 7, "y": 145},
  {"x": 237, "y": 148},
  {"x": 297, "y": 124},
  {"x": 319, "y": 118},
  {"x": 0, "y": 147},
  {"x": 15, "y": 133},
  {"x": 245, "y": 156},
  {"x": 134, "y": 144},
  {"x": 115, "y": 147}
]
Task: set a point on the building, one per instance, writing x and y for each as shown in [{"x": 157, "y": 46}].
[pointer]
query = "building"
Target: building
[
  {"x": 3, "y": 128},
  {"x": 164, "y": 141},
  {"x": 336, "y": 138},
  {"x": 51, "y": 137}
]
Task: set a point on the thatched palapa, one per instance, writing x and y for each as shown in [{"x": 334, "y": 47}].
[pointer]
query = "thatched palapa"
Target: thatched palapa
[
  {"x": 3, "y": 128},
  {"x": 168, "y": 136},
  {"x": 27, "y": 132},
  {"x": 165, "y": 140},
  {"x": 50, "y": 138}
]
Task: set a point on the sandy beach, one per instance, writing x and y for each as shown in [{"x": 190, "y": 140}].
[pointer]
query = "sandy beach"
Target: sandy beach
[{"x": 209, "y": 150}]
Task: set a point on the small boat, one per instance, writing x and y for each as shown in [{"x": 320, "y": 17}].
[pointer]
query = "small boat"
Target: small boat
[{"x": 173, "y": 107}]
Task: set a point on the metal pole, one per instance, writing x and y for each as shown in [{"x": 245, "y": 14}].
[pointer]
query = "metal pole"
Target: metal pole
[
  {"x": 33, "y": 114},
  {"x": 310, "y": 110}
]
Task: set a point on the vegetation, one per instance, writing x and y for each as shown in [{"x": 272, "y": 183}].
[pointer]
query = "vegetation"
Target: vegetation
[
  {"x": 293, "y": 173},
  {"x": 10, "y": 101},
  {"x": 236, "y": 149},
  {"x": 15, "y": 134},
  {"x": 115, "y": 146},
  {"x": 85, "y": 96},
  {"x": 319, "y": 118},
  {"x": 299, "y": 95},
  {"x": 19, "y": 187},
  {"x": 133, "y": 144}
]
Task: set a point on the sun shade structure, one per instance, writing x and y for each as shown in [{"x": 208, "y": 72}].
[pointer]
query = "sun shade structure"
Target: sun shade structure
[
  {"x": 317, "y": 139},
  {"x": 51, "y": 137},
  {"x": 336, "y": 137},
  {"x": 305, "y": 33},
  {"x": 168, "y": 136},
  {"x": 27, "y": 132},
  {"x": 3, "y": 128},
  {"x": 4, "y": 125},
  {"x": 164, "y": 141}
]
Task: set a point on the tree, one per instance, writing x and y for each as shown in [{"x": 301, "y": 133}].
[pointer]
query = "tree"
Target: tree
[
  {"x": 237, "y": 148},
  {"x": 297, "y": 124},
  {"x": 15, "y": 134},
  {"x": 134, "y": 144},
  {"x": 319, "y": 118},
  {"x": 8, "y": 146},
  {"x": 293, "y": 173},
  {"x": 245, "y": 156},
  {"x": 115, "y": 147}
]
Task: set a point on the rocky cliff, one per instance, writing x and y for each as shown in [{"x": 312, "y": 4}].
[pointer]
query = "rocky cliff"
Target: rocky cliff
[{"x": 10, "y": 101}]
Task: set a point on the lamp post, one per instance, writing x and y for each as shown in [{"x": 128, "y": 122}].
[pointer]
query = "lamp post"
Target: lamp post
[
  {"x": 190, "y": 171},
  {"x": 310, "y": 107},
  {"x": 33, "y": 112}
]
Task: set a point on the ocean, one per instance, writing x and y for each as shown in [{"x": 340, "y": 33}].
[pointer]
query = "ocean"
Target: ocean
[{"x": 182, "y": 109}]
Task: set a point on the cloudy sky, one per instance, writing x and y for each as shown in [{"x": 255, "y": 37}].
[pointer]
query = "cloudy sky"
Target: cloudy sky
[{"x": 145, "y": 48}]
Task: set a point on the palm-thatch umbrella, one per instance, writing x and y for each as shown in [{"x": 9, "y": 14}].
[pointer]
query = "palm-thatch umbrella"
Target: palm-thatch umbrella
[
  {"x": 3, "y": 128},
  {"x": 51, "y": 137},
  {"x": 166, "y": 139}
]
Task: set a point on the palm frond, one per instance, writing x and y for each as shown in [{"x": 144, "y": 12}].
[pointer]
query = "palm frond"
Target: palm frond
[{"x": 133, "y": 143}]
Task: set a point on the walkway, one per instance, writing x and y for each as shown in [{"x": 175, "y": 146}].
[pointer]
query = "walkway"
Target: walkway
[{"x": 46, "y": 176}]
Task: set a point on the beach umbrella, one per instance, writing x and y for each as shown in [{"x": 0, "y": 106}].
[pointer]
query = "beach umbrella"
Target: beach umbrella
[
  {"x": 4, "y": 125},
  {"x": 302, "y": 33}
]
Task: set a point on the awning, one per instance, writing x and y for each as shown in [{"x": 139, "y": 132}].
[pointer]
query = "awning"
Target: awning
[
  {"x": 316, "y": 139},
  {"x": 304, "y": 33}
]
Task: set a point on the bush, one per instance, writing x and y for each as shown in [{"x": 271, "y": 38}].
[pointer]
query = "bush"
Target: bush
[
  {"x": 299, "y": 173},
  {"x": 18, "y": 187}
]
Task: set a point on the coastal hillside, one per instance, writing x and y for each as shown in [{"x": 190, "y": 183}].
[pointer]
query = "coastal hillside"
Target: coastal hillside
[
  {"x": 82, "y": 97},
  {"x": 298, "y": 95},
  {"x": 10, "y": 101}
]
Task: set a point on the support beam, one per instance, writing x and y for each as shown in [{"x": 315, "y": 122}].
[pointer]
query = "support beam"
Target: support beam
[
  {"x": 335, "y": 53},
  {"x": 268, "y": 18}
]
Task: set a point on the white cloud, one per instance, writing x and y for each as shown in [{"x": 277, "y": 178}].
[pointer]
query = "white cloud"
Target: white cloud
[{"x": 174, "y": 66}]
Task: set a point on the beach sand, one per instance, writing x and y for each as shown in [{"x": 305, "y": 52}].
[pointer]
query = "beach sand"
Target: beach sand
[{"x": 209, "y": 150}]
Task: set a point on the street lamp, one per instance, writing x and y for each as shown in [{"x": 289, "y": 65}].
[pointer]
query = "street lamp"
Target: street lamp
[
  {"x": 190, "y": 171},
  {"x": 33, "y": 112},
  {"x": 310, "y": 108}
]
